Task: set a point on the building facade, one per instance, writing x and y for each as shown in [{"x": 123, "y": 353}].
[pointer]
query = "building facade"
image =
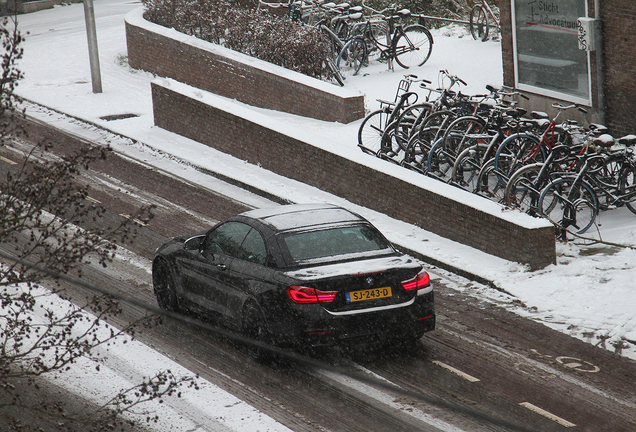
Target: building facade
[{"x": 547, "y": 55}]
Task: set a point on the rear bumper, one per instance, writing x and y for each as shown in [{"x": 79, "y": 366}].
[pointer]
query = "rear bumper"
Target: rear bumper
[{"x": 314, "y": 327}]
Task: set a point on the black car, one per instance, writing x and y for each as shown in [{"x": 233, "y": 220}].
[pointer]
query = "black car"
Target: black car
[{"x": 298, "y": 276}]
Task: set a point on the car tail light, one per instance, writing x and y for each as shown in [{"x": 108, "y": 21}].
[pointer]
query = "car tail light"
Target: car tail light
[
  {"x": 421, "y": 280},
  {"x": 300, "y": 294}
]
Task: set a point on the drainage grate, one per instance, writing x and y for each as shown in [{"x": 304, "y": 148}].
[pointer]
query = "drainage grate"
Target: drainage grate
[{"x": 118, "y": 116}]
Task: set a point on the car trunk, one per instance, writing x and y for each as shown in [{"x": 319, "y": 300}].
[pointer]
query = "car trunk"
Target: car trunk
[{"x": 373, "y": 283}]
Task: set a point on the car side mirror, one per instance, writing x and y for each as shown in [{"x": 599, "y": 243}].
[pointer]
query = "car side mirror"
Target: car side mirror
[{"x": 193, "y": 243}]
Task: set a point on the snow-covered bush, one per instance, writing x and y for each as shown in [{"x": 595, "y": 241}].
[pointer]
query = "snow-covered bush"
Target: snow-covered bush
[{"x": 272, "y": 38}]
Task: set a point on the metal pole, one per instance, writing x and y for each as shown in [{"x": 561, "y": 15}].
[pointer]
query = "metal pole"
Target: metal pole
[
  {"x": 91, "y": 33},
  {"x": 600, "y": 63}
]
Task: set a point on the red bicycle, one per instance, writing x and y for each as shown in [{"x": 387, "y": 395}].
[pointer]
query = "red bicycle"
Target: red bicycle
[
  {"x": 480, "y": 17},
  {"x": 525, "y": 148}
]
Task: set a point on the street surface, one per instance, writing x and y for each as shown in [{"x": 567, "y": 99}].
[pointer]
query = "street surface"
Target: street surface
[{"x": 481, "y": 364}]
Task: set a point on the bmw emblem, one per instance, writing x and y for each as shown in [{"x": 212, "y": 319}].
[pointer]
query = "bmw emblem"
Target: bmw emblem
[{"x": 369, "y": 281}]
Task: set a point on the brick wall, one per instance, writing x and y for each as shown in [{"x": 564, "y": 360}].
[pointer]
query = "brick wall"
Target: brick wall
[
  {"x": 619, "y": 44},
  {"x": 619, "y": 55},
  {"x": 171, "y": 54},
  {"x": 185, "y": 114}
]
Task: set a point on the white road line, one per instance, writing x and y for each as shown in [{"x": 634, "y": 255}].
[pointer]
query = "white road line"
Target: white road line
[
  {"x": 456, "y": 371},
  {"x": 9, "y": 161},
  {"x": 137, "y": 221},
  {"x": 547, "y": 414}
]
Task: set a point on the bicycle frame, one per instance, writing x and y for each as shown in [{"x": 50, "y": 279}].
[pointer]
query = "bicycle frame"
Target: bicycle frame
[
  {"x": 392, "y": 31},
  {"x": 488, "y": 9}
]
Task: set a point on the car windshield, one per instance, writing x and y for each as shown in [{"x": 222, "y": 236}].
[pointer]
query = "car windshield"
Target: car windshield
[{"x": 333, "y": 242}]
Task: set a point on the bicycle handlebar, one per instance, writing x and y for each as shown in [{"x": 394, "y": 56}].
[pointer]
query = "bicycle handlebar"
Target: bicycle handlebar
[
  {"x": 392, "y": 8},
  {"x": 413, "y": 78}
]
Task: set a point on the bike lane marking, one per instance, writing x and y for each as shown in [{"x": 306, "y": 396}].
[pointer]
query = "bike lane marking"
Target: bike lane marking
[
  {"x": 571, "y": 363},
  {"x": 577, "y": 364}
]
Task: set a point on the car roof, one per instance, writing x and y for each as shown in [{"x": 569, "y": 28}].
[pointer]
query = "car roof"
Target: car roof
[{"x": 293, "y": 216}]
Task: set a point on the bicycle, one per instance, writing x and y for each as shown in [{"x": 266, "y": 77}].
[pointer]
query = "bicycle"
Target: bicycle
[
  {"x": 375, "y": 123},
  {"x": 604, "y": 181},
  {"x": 525, "y": 148},
  {"x": 409, "y": 46},
  {"x": 421, "y": 132},
  {"x": 479, "y": 20},
  {"x": 524, "y": 186},
  {"x": 470, "y": 140}
]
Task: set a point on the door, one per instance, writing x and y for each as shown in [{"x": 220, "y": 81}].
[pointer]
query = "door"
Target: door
[{"x": 206, "y": 274}]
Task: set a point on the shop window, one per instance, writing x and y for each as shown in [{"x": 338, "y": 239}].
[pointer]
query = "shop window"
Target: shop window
[{"x": 547, "y": 57}]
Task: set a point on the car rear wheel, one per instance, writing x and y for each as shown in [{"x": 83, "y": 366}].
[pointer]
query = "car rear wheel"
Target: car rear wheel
[
  {"x": 254, "y": 328},
  {"x": 164, "y": 287}
]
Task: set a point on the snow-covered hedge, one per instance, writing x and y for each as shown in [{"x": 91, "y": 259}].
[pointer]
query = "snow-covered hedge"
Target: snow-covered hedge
[{"x": 275, "y": 39}]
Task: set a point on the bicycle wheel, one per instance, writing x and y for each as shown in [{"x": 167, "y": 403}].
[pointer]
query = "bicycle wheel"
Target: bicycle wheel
[
  {"x": 371, "y": 131},
  {"x": 390, "y": 148},
  {"x": 462, "y": 133},
  {"x": 410, "y": 121},
  {"x": 434, "y": 126},
  {"x": 568, "y": 203},
  {"x": 413, "y": 47},
  {"x": 514, "y": 152},
  {"x": 334, "y": 73},
  {"x": 607, "y": 180},
  {"x": 521, "y": 191},
  {"x": 627, "y": 187},
  {"x": 352, "y": 57},
  {"x": 479, "y": 26},
  {"x": 439, "y": 165},
  {"x": 465, "y": 173},
  {"x": 488, "y": 184}
]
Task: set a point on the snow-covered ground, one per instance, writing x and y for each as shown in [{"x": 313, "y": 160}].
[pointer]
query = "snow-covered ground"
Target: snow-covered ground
[{"x": 587, "y": 295}]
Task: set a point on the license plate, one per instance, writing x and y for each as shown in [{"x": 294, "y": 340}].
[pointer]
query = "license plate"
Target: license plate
[{"x": 368, "y": 294}]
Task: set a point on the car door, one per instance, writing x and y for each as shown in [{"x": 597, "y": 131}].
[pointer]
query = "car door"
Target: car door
[
  {"x": 206, "y": 274},
  {"x": 250, "y": 274}
]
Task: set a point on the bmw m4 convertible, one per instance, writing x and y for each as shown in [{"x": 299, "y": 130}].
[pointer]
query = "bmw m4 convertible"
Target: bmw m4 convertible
[{"x": 298, "y": 276}]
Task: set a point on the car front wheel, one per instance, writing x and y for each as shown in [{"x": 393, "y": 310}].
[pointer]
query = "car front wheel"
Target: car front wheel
[{"x": 164, "y": 287}]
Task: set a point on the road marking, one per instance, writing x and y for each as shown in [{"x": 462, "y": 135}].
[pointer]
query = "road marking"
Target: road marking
[
  {"x": 547, "y": 414},
  {"x": 572, "y": 363},
  {"x": 9, "y": 161},
  {"x": 456, "y": 371},
  {"x": 137, "y": 221},
  {"x": 578, "y": 364}
]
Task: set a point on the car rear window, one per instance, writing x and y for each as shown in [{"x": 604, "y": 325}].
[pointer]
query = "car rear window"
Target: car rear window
[{"x": 334, "y": 242}]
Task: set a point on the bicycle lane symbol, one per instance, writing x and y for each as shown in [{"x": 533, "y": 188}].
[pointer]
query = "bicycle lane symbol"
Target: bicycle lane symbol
[
  {"x": 572, "y": 363},
  {"x": 577, "y": 364}
]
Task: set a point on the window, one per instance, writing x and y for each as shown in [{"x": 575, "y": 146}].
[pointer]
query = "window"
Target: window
[
  {"x": 253, "y": 248},
  {"x": 334, "y": 242},
  {"x": 226, "y": 239},
  {"x": 547, "y": 58}
]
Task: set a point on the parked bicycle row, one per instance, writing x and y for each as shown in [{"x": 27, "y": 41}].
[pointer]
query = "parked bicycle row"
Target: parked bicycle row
[
  {"x": 359, "y": 35},
  {"x": 487, "y": 145}
]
